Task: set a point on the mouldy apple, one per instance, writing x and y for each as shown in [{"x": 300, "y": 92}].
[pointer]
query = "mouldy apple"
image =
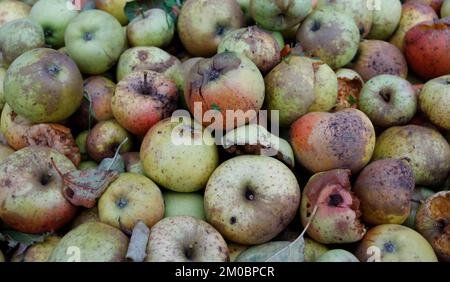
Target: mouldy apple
[
  {"x": 385, "y": 19},
  {"x": 13, "y": 10},
  {"x": 388, "y": 100},
  {"x": 279, "y": 15},
  {"x": 31, "y": 190},
  {"x": 53, "y": 16},
  {"x": 179, "y": 154},
  {"x": 324, "y": 141},
  {"x": 384, "y": 189},
  {"x": 434, "y": 101},
  {"x": 337, "y": 216},
  {"x": 96, "y": 242},
  {"x": 250, "y": 199},
  {"x": 177, "y": 204},
  {"x": 203, "y": 23},
  {"x": 94, "y": 40},
  {"x": 184, "y": 239},
  {"x": 38, "y": 252},
  {"x": 43, "y": 85},
  {"x": 337, "y": 255},
  {"x": 394, "y": 243},
  {"x": 425, "y": 149},
  {"x": 350, "y": 84},
  {"x": 330, "y": 35},
  {"x": 115, "y": 8}
]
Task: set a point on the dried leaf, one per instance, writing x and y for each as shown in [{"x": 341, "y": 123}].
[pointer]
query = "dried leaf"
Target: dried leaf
[
  {"x": 21, "y": 240},
  {"x": 138, "y": 242},
  {"x": 116, "y": 164}
]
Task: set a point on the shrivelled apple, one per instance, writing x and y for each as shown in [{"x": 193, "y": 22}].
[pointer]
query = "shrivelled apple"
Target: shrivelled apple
[
  {"x": 130, "y": 198},
  {"x": 434, "y": 101},
  {"x": 279, "y": 15},
  {"x": 178, "y": 204},
  {"x": 183, "y": 239},
  {"x": 350, "y": 84},
  {"x": 203, "y": 23},
  {"x": 425, "y": 149},
  {"x": 376, "y": 57},
  {"x": 94, "y": 40},
  {"x": 445, "y": 9},
  {"x": 143, "y": 98},
  {"x": 384, "y": 189},
  {"x": 105, "y": 137},
  {"x": 388, "y": 100},
  {"x": 54, "y": 17},
  {"x": 433, "y": 222},
  {"x": 337, "y": 216},
  {"x": 324, "y": 141},
  {"x": 419, "y": 195},
  {"x": 427, "y": 46},
  {"x": 257, "y": 44},
  {"x": 337, "y": 255},
  {"x": 385, "y": 19},
  {"x": 31, "y": 190},
  {"x": 330, "y": 35},
  {"x": 43, "y": 85},
  {"x": 14, "y": 128},
  {"x": 38, "y": 252},
  {"x": 394, "y": 243},
  {"x": 413, "y": 13},
  {"x": 179, "y": 154},
  {"x": 5, "y": 151},
  {"x": 250, "y": 199},
  {"x": 18, "y": 37},
  {"x": 91, "y": 242},
  {"x": 13, "y": 10},
  {"x": 99, "y": 91},
  {"x": 226, "y": 83},
  {"x": 115, "y": 8},
  {"x": 153, "y": 28}
]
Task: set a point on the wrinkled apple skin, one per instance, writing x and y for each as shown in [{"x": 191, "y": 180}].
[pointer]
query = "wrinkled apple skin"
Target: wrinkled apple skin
[
  {"x": 97, "y": 242},
  {"x": 413, "y": 13},
  {"x": 434, "y": 101},
  {"x": 445, "y": 9},
  {"x": 184, "y": 239},
  {"x": 337, "y": 217},
  {"x": 251, "y": 199},
  {"x": 31, "y": 190},
  {"x": 203, "y": 23},
  {"x": 330, "y": 35},
  {"x": 425, "y": 149},
  {"x": 397, "y": 243},
  {"x": 100, "y": 91},
  {"x": 433, "y": 222},
  {"x": 384, "y": 188},
  {"x": 43, "y": 85},
  {"x": 115, "y": 8},
  {"x": 13, "y": 10},
  {"x": 385, "y": 19},
  {"x": 279, "y": 15},
  {"x": 14, "y": 127},
  {"x": 324, "y": 141},
  {"x": 337, "y": 255}
]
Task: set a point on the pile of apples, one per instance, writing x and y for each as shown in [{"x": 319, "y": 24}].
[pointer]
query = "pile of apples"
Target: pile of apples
[{"x": 96, "y": 165}]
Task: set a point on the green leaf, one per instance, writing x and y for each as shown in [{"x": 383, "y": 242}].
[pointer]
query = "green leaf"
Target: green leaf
[
  {"x": 351, "y": 100},
  {"x": 215, "y": 107},
  {"x": 135, "y": 8}
]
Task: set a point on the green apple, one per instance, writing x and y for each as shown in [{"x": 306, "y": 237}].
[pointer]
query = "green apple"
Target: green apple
[
  {"x": 183, "y": 204},
  {"x": 54, "y": 17},
  {"x": 385, "y": 19},
  {"x": 115, "y": 8},
  {"x": 43, "y": 85},
  {"x": 337, "y": 255},
  {"x": 12, "y": 10},
  {"x": 38, "y": 252},
  {"x": 94, "y": 40},
  {"x": 434, "y": 101},
  {"x": 445, "y": 9},
  {"x": 2, "y": 94}
]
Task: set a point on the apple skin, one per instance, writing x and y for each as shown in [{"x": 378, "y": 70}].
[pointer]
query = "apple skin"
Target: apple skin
[
  {"x": 14, "y": 128},
  {"x": 100, "y": 91},
  {"x": 445, "y": 9},
  {"x": 324, "y": 141},
  {"x": 38, "y": 252},
  {"x": 350, "y": 84},
  {"x": 183, "y": 73},
  {"x": 434, "y": 101},
  {"x": 115, "y": 8},
  {"x": 86, "y": 215},
  {"x": 413, "y": 13},
  {"x": 94, "y": 40},
  {"x": 173, "y": 164},
  {"x": 279, "y": 15},
  {"x": 130, "y": 198},
  {"x": 388, "y": 100},
  {"x": 251, "y": 199},
  {"x": 427, "y": 46},
  {"x": 330, "y": 35},
  {"x": 104, "y": 138},
  {"x": 376, "y": 57},
  {"x": 2, "y": 79},
  {"x": 154, "y": 28},
  {"x": 433, "y": 222},
  {"x": 397, "y": 243},
  {"x": 97, "y": 242},
  {"x": 337, "y": 219},
  {"x": 13, "y": 10},
  {"x": 337, "y": 255},
  {"x": 132, "y": 162},
  {"x": 43, "y": 85},
  {"x": 419, "y": 195},
  {"x": 357, "y": 9},
  {"x": 245, "y": 7},
  {"x": 178, "y": 204},
  {"x": 5, "y": 151},
  {"x": 385, "y": 19},
  {"x": 384, "y": 189},
  {"x": 435, "y": 4},
  {"x": 142, "y": 99},
  {"x": 31, "y": 191},
  {"x": 54, "y": 17},
  {"x": 262, "y": 252},
  {"x": 235, "y": 250},
  {"x": 184, "y": 239},
  {"x": 425, "y": 149}
]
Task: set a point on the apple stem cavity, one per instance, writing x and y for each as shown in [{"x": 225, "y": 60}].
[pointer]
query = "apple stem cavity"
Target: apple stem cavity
[
  {"x": 88, "y": 36},
  {"x": 335, "y": 200},
  {"x": 386, "y": 95},
  {"x": 121, "y": 203},
  {"x": 315, "y": 26},
  {"x": 54, "y": 70},
  {"x": 249, "y": 195},
  {"x": 45, "y": 179},
  {"x": 389, "y": 247}
]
